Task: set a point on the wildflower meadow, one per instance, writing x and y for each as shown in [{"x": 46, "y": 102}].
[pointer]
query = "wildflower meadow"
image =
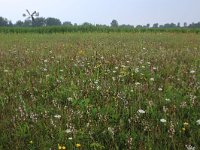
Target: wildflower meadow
[{"x": 112, "y": 91}]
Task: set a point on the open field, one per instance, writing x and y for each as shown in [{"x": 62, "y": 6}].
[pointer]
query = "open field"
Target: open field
[{"x": 100, "y": 91}]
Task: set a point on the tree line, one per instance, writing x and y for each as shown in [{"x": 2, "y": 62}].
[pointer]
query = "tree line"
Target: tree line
[{"x": 50, "y": 21}]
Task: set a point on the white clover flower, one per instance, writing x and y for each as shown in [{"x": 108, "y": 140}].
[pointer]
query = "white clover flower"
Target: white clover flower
[
  {"x": 160, "y": 89},
  {"x": 70, "y": 99},
  {"x": 137, "y": 83},
  {"x": 198, "y": 122},
  {"x": 192, "y": 71},
  {"x": 113, "y": 78},
  {"x": 116, "y": 68},
  {"x": 68, "y": 131},
  {"x": 163, "y": 120},
  {"x": 151, "y": 79},
  {"x": 57, "y": 116},
  {"x": 136, "y": 70},
  {"x": 190, "y": 147},
  {"x": 141, "y": 111},
  {"x": 96, "y": 81}
]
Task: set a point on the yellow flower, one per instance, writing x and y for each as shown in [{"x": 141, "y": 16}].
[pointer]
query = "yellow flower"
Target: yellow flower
[
  {"x": 59, "y": 147},
  {"x": 183, "y": 129},
  {"x": 78, "y": 145},
  {"x": 31, "y": 142},
  {"x": 63, "y": 147}
]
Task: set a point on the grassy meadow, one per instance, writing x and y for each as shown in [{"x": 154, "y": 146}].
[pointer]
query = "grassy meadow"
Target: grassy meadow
[{"x": 112, "y": 91}]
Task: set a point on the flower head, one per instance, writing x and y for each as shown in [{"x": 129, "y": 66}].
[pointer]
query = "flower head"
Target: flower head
[
  {"x": 57, "y": 116},
  {"x": 141, "y": 111},
  {"x": 198, "y": 122},
  {"x": 78, "y": 145},
  {"x": 163, "y": 120}
]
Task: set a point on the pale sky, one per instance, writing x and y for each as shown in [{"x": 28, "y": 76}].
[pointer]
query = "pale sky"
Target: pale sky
[{"x": 132, "y": 12}]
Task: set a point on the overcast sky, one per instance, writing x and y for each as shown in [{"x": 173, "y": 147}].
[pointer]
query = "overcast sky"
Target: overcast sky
[{"x": 132, "y": 12}]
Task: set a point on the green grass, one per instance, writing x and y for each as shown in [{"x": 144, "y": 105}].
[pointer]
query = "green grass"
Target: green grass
[
  {"x": 87, "y": 88},
  {"x": 99, "y": 29}
]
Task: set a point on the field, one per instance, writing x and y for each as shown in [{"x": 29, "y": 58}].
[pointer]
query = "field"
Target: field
[{"x": 136, "y": 91}]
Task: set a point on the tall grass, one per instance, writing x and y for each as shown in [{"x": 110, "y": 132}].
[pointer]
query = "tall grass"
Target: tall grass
[
  {"x": 100, "y": 91},
  {"x": 69, "y": 29}
]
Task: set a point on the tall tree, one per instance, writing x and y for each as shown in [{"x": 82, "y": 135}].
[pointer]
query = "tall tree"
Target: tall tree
[
  {"x": 19, "y": 23},
  {"x": 114, "y": 23},
  {"x": 3, "y": 21},
  {"x": 53, "y": 22},
  {"x": 185, "y": 24},
  {"x": 155, "y": 25},
  {"x": 39, "y": 22},
  {"x": 67, "y": 23}
]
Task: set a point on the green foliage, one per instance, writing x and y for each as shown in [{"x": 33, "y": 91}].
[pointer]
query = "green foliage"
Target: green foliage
[
  {"x": 135, "y": 90},
  {"x": 90, "y": 28}
]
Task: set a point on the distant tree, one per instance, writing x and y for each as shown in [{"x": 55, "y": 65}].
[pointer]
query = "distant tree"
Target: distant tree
[
  {"x": 114, "y": 23},
  {"x": 169, "y": 25},
  {"x": 148, "y": 25},
  {"x": 178, "y": 25},
  {"x": 3, "y": 21},
  {"x": 185, "y": 24},
  {"x": 139, "y": 26},
  {"x": 126, "y": 26},
  {"x": 39, "y": 22},
  {"x": 155, "y": 25},
  {"x": 19, "y": 23},
  {"x": 67, "y": 23},
  {"x": 86, "y": 24},
  {"x": 27, "y": 23},
  {"x": 53, "y": 22},
  {"x": 10, "y": 24}
]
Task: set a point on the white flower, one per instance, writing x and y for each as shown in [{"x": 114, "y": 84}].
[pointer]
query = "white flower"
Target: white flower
[
  {"x": 163, "y": 120},
  {"x": 151, "y": 79},
  {"x": 198, "y": 122},
  {"x": 45, "y": 60},
  {"x": 167, "y": 99},
  {"x": 44, "y": 69},
  {"x": 192, "y": 71},
  {"x": 136, "y": 70},
  {"x": 70, "y": 138},
  {"x": 155, "y": 68},
  {"x": 57, "y": 116},
  {"x": 111, "y": 130},
  {"x": 190, "y": 147},
  {"x": 160, "y": 89},
  {"x": 68, "y": 131},
  {"x": 141, "y": 111},
  {"x": 137, "y": 83},
  {"x": 116, "y": 68},
  {"x": 70, "y": 99}
]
